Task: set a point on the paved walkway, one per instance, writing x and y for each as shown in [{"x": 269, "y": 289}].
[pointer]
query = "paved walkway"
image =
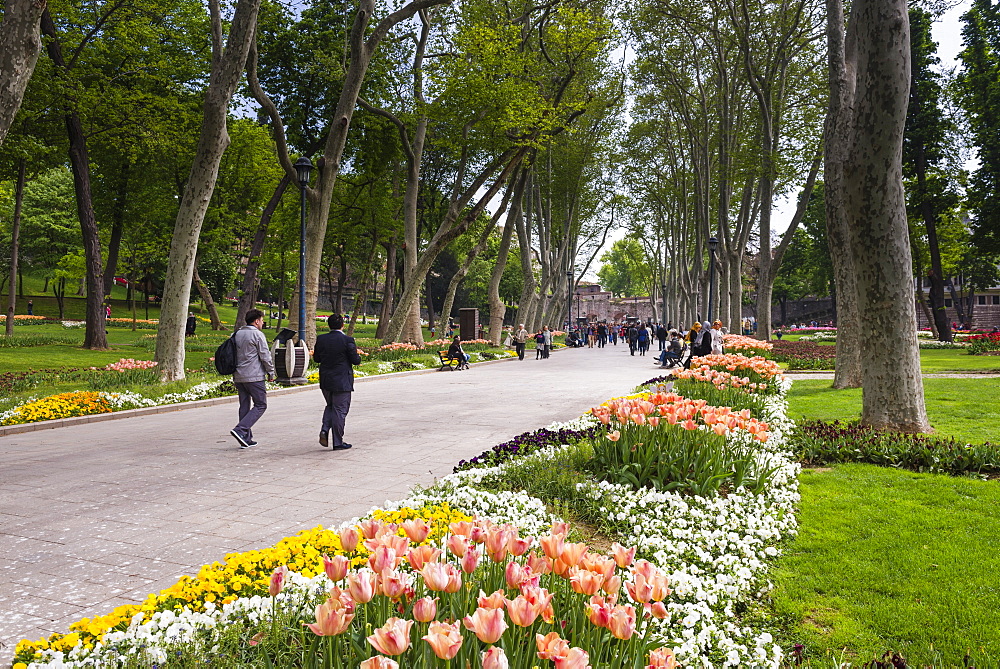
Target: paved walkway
[{"x": 102, "y": 514}]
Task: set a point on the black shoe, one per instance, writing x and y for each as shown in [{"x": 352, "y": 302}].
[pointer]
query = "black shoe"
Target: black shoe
[
  {"x": 324, "y": 440},
  {"x": 240, "y": 439},
  {"x": 252, "y": 442},
  {"x": 342, "y": 447}
]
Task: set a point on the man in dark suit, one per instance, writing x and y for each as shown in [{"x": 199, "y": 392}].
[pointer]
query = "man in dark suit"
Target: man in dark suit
[{"x": 335, "y": 353}]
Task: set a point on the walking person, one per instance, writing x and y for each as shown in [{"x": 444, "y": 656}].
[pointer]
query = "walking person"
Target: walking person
[
  {"x": 661, "y": 336},
  {"x": 633, "y": 339},
  {"x": 336, "y": 354},
  {"x": 602, "y": 334},
  {"x": 717, "y": 338},
  {"x": 520, "y": 337},
  {"x": 548, "y": 341},
  {"x": 643, "y": 340},
  {"x": 539, "y": 345},
  {"x": 31, "y": 308},
  {"x": 253, "y": 366},
  {"x": 613, "y": 333}
]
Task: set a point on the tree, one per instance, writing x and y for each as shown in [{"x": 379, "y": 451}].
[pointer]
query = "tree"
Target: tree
[
  {"x": 893, "y": 395},
  {"x": 624, "y": 270},
  {"x": 228, "y": 63},
  {"x": 20, "y": 45},
  {"x": 930, "y": 194}
]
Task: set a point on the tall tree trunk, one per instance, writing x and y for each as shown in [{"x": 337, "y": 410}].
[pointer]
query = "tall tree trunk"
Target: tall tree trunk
[
  {"x": 206, "y": 297},
  {"x": 388, "y": 291},
  {"x": 941, "y": 324},
  {"x": 15, "y": 232},
  {"x": 247, "y": 292},
  {"x": 497, "y": 308},
  {"x": 362, "y": 297},
  {"x": 227, "y": 70},
  {"x": 117, "y": 228},
  {"x": 841, "y": 60},
  {"x": 338, "y": 300},
  {"x": 893, "y": 396},
  {"x": 96, "y": 336},
  {"x": 20, "y": 46}
]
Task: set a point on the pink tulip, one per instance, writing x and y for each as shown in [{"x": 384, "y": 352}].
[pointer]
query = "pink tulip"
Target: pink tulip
[
  {"x": 382, "y": 558},
  {"x": 496, "y": 544},
  {"x": 462, "y": 528},
  {"x": 277, "y": 583},
  {"x": 454, "y": 580},
  {"x": 435, "y": 576},
  {"x": 333, "y": 617},
  {"x": 379, "y": 662},
  {"x": 657, "y": 610},
  {"x": 336, "y": 567},
  {"x": 487, "y": 624},
  {"x": 416, "y": 529},
  {"x": 585, "y": 582},
  {"x": 520, "y": 545},
  {"x": 576, "y": 658},
  {"x": 521, "y": 611},
  {"x": 425, "y": 609},
  {"x": 361, "y": 585},
  {"x": 369, "y": 528},
  {"x": 612, "y": 585},
  {"x": 623, "y": 556},
  {"x": 541, "y": 599},
  {"x": 444, "y": 639},
  {"x": 573, "y": 553},
  {"x": 349, "y": 538},
  {"x": 470, "y": 560},
  {"x": 661, "y": 658},
  {"x": 494, "y": 601},
  {"x": 458, "y": 545},
  {"x": 560, "y": 527},
  {"x": 552, "y": 545},
  {"x": 539, "y": 564},
  {"x": 598, "y": 611},
  {"x": 551, "y": 646},
  {"x": 515, "y": 574},
  {"x": 392, "y": 583},
  {"x": 495, "y": 658},
  {"x": 393, "y": 638},
  {"x": 478, "y": 535}
]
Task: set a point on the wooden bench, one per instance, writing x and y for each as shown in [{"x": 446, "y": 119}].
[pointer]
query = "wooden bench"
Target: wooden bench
[{"x": 447, "y": 362}]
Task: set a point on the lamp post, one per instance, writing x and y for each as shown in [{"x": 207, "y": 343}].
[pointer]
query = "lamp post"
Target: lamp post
[
  {"x": 663, "y": 298},
  {"x": 303, "y": 168},
  {"x": 569, "y": 300},
  {"x": 713, "y": 244}
]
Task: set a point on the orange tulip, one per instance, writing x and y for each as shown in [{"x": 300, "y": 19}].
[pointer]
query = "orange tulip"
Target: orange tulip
[
  {"x": 573, "y": 553},
  {"x": 333, "y": 617},
  {"x": 435, "y": 576},
  {"x": 382, "y": 558},
  {"x": 393, "y": 638},
  {"x": 421, "y": 555},
  {"x": 369, "y": 528},
  {"x": 551, "y": 646},
  {"x": 614, "y": 436},
  {"x": 462, "y": 528},
  {"x": 444, "y": 639},
  {"x": 612, "y": 585},
  {"x": 623, "y": 556},
  {"x": 576, "y": 658},
  {"x": 495, "y": 658},
  {"x": 458, "y": 545},
  {"x": 494, "y": 601},
  {"x": 454, "y": 580},
  {"x": 425, "y": 609},
  {"x": 552, "y": 545},
  {"x": 416, "y": 529},
  {"x": 379, "y": 662},
  {"x": 585, "y": 582},
  {"x": 519, "y": 545},
  {"x": 336, "y": 567},
  {"x": 657, "y": 610},
  {"x": 541, "y": 599},
  {"x": 521, "y": 611},
  {"x": 392, "y": 583},
  {"x": 622, "y": 622},
  {"x": 539, "y": 564},
  {"x": 487, "y": 624},
  {"x": 515, "y": 574}
]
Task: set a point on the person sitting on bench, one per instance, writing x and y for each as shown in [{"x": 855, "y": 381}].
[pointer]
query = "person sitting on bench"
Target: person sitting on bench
[
  {"x": 671, "y": 355},
  {"x": 455, "y": 352}
]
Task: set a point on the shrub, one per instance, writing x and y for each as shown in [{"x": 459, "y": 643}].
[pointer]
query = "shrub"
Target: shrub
[
  {"x": 984, "y": 343},
  {"x": 818, "y": 443},
  {"x": 804, "y": 355}
]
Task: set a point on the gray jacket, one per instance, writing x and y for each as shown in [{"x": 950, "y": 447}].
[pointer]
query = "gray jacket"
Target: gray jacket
[{"x": 253, "y": 357}]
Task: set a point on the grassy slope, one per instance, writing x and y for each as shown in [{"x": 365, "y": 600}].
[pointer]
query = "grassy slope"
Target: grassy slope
[
  {"x": 893, "y": 560},
  {"x": 956, "y": 407}
]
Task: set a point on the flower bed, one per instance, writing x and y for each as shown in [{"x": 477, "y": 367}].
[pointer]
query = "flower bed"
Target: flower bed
[
  {"x": 735, "y": 343},
  {"x": 984, "y": 343},
  {"x": 818, "y": 443},
  {"x": 24, "y": 319},
  {"x": 695, "y": 563},
  {"x": 804, "y": 355}
]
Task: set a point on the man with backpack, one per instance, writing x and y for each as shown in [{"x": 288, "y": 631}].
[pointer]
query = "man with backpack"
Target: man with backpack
[{"x": 253, "y": 366}]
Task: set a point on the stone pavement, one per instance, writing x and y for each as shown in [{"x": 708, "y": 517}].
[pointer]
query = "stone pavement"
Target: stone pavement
[{"x": 101, "y": 514}]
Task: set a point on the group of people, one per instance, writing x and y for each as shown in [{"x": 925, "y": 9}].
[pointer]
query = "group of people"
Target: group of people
[
  {"x": 519, "y": 339},
  {"x": 702, "y": 339},
  {"x": 335, "y": 352}
]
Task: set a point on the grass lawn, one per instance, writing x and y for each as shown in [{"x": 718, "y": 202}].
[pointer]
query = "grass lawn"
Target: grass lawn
[
  {"x": 956, "y": 407},
  {"x": 893, "y": 560}
]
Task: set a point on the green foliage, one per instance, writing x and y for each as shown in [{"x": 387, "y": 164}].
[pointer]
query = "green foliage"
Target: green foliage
[{"x": 625, "y": 270}]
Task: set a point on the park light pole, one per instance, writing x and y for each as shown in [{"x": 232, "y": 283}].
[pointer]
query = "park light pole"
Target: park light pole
[
  {"x": 713, "y": 244},
  {"x": 569, "y": 300},
  {"x": 303, "y": 168},
  {"x": 663, "y": 298}
]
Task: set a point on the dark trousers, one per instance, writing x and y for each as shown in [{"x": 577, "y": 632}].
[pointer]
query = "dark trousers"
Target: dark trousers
[
  {"x": 252, "y": 391},
  {"x": 519, "y": 347},
  {"x": 335, "y": 415},
  {"x": 663, "y": 343}
]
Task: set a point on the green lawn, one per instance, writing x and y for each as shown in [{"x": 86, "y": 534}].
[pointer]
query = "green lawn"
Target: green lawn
[
  {"x": 956, "y": 407},
  {"x": 893, "y": 560}
]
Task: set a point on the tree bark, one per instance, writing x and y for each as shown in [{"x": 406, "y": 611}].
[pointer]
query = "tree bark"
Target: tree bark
[
  {"x": 117, "y": 228},
  {"x": 227, "y": 70},
  {"x": 15, "y": 231},
  {"x": 20, "y": 46},
  {"x": 362, "y": 297},
  {"x": 841, "y": 58},
  {"x": 96, "y": 336},
  {"x": 247, "y": 292},
  {"x": 388, "y": 291},
  {"x": 497, "y": 308},
  {"x": 893, "y": 395}
]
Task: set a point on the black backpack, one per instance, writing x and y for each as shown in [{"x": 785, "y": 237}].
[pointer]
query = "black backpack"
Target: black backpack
[{"x": 225, "y": 357}]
